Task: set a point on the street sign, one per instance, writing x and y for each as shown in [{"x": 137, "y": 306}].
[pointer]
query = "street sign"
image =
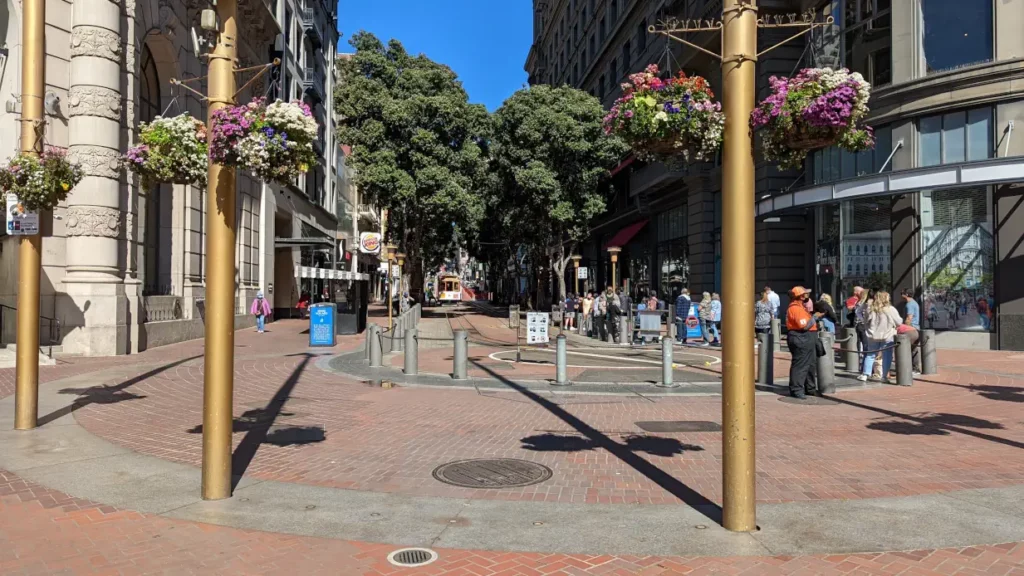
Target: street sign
[
  {"x": 321, "y": 324},
  {"x": 537, "y": 327},
  {"x": 369, "y": 242},
  {"x": 581, "y": 273},
  {"x": 20, "y": 222}
]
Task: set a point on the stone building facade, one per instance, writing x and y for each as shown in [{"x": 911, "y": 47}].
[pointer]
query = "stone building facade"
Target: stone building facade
[
  {"x": 933, "y": 208},
  {"x": 123, "y": 266}
]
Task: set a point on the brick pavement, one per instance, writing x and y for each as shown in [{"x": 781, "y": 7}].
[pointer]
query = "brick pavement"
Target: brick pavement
[
  {"x": 960, "y": 430},
  {"x": 47, "y": 532}
]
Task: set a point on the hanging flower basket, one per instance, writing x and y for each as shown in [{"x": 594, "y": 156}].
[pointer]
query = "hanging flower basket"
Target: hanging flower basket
[
  {"x": 40, "y": 183},
  {"x": 172, "y": 150},
  {"x": 818, "y": 107},
  {"x": 666, "y": 119},
  {"x": 273, "y": 141}
]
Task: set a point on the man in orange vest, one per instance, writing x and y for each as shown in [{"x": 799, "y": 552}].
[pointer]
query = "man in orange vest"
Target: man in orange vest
[{"x": 802, "y": 338}]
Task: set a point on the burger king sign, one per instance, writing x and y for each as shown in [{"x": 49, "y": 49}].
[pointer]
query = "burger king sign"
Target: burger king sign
[{"x": 369, "y": 242}]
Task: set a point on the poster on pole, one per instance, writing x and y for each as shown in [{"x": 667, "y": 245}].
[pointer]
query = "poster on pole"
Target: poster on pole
[
  {"x": 581, "y": 273},
  {"x": 537, "y": 327},
  {"x": 20, "y": 222}
]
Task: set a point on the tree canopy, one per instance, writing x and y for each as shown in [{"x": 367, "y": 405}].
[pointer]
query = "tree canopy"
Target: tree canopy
[{"x": 418, "y": 147}]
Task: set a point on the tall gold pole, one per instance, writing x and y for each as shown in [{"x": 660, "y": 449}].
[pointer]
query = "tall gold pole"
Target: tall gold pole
[
  {"x": 739, "y": 50},
  {"x": 26, "y": 399},
  {"x": 218, "y": 382}
]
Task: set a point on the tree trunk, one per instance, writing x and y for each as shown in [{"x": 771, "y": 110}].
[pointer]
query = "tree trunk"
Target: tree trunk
[{"x": 559, "y": 262}]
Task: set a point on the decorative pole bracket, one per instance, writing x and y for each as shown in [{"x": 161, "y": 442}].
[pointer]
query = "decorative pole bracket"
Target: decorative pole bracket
[{"x": 672, "y": 27}]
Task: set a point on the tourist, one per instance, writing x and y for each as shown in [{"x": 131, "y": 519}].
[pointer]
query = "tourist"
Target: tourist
[
  {"x": 260, "y": 309},
  {"x": 586, "y": 305},
  {"x": 763, "y": 314},
  {"x": 882, "y": 322},
  {"x": 705, "y": 315},
  {"x": 716, "y": 317},
  {"x": 682, "y": 313},
  {"x": 773, "y": 300},
  {"x": 827, "y": 317},
  {"x": 803, "y": 344},
  {"x": 912, "y": 327}
]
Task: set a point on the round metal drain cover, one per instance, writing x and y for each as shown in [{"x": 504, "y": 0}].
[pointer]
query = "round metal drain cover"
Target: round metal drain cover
[
  {"x": 492, "y": 473},
  {"x": 412, "y": 557},
  {"x": 809, "y": 401}
]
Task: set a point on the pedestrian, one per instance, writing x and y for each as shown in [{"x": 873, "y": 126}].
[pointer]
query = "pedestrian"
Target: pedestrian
[
  {"x": 882, "y": 322},
  {"x": 625, "y": 305},
  {"x": 652, "y": 302},
  {"x": 586, "y": 305},
  {"x": 260, "y": 309},
  {"x": 860, "y": 323},
  {"x": 912, "y": 327},
  {"x": 716, "y": 317},
  {"x": 600, "y": 312},
  {"x": 851, "y": 306},
  {"x": 612, "y": 313},
  {"x": 706, "y": 317},
  {"x": 682, "y": 313},
  {"x": 773, "y": 300},
  {"x": 763, "y": 314},
  {"x": 568, "y": 312},
  {"x": 802, "y": 337},
  {"x": 827, "y": 313}
]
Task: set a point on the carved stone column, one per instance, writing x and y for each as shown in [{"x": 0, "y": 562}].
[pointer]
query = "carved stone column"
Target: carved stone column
[{"x": 94, "y": 312}]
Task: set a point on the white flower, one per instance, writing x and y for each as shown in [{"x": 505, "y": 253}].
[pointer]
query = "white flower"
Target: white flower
[{"x": 661, "y": 116}]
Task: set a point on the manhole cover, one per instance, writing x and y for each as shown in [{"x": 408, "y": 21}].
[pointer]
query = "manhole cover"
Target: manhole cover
[
  {"x": 412, "y": 557},
  {"x": 496, "y": 473},
  {"x": 809, "y": 401},
  {"x": 680, "y": 426}
]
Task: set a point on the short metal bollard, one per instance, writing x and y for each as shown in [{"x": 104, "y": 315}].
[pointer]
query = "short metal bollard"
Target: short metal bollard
[
  {"x": 398, "y": 334},
  {"x": 929, "y": 360},
  {"x": 904, "y": 361},
  {"x": 460, "y": 355},
  {"x": 777, "y": 334},
  {"x": 666, "y": 364},
  {"x": 827, "y": 365},
  {"x": 366, "y": 346},
  {"x": 765, "y": 359},
  {"x": 561, "y": 378},
  {"x": 375, "y": 346},
  {"x": 625, "y": 334},
  {"x": 851, "y": 356},
  {"x": 411, "y": 352}
]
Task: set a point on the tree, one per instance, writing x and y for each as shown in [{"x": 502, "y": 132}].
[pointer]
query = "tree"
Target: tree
[
  {"x": 418, "y": 147},
  {"x": 549, "y": 155}
]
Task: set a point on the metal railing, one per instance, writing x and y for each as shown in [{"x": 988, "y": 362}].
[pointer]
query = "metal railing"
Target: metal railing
[
  {"x": 309, "y": 23},
  {"x": 49, "y": 328},
  {"x": 313, "y": 81}
]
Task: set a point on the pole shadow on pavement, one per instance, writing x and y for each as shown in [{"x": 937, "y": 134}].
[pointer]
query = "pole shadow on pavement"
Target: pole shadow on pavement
[
  {"x": 106, "y": 394},
  {"x": 623, "y": 452}
]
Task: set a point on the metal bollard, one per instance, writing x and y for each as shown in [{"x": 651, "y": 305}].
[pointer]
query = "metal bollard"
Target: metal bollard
[
  {"x": 561, "y": 379},
  {"x": 625, "y": 334},
  {"x": 827, "y": 365},
  {"x": 670, "y": 329},
  {"x": 929, "y": 361},
  {"x": 375, "y": 346},
  {"x": 411, "y": 352},
  {"x": 904, "y": 361},
  {"x": 460, "y": 356},
  {"x": 398, "y": 334},
  {"x": 765, "y": 359},
  {"x": 777, "y": 334},
  {"x": 366, "y": 344},
  {"x": 851, "y": 356},
  {"x": 666, "y": 363}
]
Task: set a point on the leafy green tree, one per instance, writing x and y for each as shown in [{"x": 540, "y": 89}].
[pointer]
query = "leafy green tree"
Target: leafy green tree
[
  {"x": 549, "y": 154},
  {"x": 418, "y": 147}
]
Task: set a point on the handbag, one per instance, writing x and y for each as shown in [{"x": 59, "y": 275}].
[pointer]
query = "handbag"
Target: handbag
[{"x": 819, "y": 347}]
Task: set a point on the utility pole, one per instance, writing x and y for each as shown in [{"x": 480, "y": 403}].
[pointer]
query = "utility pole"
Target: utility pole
[{"x": 26, "y": 399}]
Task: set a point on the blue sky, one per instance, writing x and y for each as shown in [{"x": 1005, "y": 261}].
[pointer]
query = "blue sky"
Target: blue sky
[{"x": 484, "y": 41}]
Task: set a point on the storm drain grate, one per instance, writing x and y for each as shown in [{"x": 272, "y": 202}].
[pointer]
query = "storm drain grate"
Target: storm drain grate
[
  {"x": 492, "y": 473},
  {"x": 663, "y": 426},
  {"x": 412, "y": 557}
]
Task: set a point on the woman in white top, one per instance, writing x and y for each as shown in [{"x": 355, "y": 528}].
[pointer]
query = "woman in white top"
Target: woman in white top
[{"x": 881, "y": 321}]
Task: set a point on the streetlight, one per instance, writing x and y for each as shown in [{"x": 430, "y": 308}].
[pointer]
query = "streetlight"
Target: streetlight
[
  {"x": 739, "y": 56},
  {"x": 391, "y": 250},
  {"x": 576, "y": 268},
  {"x": 614, "y": 251},
  {"x": 401, "y": 262}
]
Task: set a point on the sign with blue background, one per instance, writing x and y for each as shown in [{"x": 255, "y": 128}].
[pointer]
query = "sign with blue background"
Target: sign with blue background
[
  {"x": 321, "y": 324},
  {"x": 693, "y": 322}
]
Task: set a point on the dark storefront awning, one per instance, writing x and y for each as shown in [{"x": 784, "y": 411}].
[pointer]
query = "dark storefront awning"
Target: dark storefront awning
[
  {"x": 300, "y": 242},
  {"x": 626, "y": 234}
]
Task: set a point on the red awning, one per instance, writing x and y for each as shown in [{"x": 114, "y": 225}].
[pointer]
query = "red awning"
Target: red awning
[{"x": 625, "y": 235}]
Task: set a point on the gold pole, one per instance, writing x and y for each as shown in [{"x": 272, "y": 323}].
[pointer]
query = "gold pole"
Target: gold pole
[
  {"x": 26, "y": 399},
  {"x": 739, "y": 47},
  {"x": 576, "y": 270},
  {"x": 218, "y": 382}
]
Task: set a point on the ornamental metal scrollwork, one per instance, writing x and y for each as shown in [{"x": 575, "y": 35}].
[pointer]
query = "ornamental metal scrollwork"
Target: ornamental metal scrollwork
[{"x": 93, "y": 221}]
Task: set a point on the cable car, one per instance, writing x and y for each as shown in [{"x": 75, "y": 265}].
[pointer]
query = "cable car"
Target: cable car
[{"x": 449, "y": 289}]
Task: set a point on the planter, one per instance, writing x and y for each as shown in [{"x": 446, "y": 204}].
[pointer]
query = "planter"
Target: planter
[
  {"x": 40, "y": 183},
  {"x": 273, "y": 141},
  {"x": 819, "y": 107},
  {"x": 171, "y": 150},
  {"x": 667, "y": 119}
]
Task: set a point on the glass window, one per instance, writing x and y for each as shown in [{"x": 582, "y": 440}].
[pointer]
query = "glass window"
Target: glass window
[
  {"x": 600, "y": 30},
  {"x": 818, "y": 176},
  {"x": 930, "y": 129},
  {"x": 866, "y": 230},
  {"x": 641, "y": 37},
  {"x": 868, "y": 40},
  {"x": 613, "y": 7},
  {"x": 958, "y": 260},
  {"x": 956, "y": 33},
  {"x": 883, "y": 148},
  {"x": 849, "y": 164},
  {"x": 979, "y": 134},
  {"x": 613, "y": 72},
  {"x": 600, "y": 86},
  {"x": 625, "y": 56},
  {"x": 593, "y": 46},
  {"x": 954, "y": 137}
]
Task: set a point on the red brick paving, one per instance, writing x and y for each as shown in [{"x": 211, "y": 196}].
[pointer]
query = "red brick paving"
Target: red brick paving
[
  {"x": 47, "y": 532},
  {"x": 960, "y": 430}
]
